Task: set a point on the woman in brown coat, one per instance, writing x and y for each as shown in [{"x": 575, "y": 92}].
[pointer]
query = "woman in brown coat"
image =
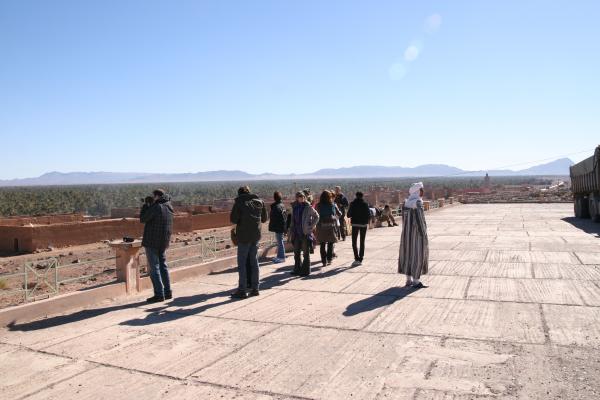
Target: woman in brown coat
[{"x": 326, "y": 228}]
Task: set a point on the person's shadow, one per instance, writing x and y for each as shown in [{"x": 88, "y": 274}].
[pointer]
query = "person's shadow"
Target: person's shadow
[
  {"x": 68, "y": 319},
  {"x": 174, "y": 309},
  {"x": 168, "y": 311},
  {"x": 381, "y": 299}
]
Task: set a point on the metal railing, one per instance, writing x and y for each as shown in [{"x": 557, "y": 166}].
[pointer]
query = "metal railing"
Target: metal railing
[{"x": 41, "y": 279}]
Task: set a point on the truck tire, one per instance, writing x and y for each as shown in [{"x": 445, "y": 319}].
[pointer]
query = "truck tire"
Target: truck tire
[
  {"x": 581, "y": 207},
  {"x": 594, "y": 208}
]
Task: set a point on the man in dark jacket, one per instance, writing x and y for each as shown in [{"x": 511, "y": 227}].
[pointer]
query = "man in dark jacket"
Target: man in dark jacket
[
  {"x": 248, "y": 214},
  {"x": 359, "y": 215},
  {"x": 342, "y": 203},
  {"x": 157, "y": 215},
  {"x": 278, "y": 225}
]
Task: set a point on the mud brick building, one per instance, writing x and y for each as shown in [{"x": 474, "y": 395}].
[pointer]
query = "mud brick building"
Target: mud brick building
[{"x": 28, "y": 234}]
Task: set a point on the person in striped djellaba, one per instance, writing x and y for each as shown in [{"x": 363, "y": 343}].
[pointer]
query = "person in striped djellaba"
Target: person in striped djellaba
[{"x": 413, "y": 260}]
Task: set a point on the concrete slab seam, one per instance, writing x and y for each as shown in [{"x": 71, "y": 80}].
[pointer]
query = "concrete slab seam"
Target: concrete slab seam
[
  {"x": 545, "y": 327},
  {"x": 50, "y": 385},
  {"x": 467, "y": 286},
  {"x": 237, "y": 350},
  {"x": 173, "y": 378},
  {"x": 578, "y": 258}
]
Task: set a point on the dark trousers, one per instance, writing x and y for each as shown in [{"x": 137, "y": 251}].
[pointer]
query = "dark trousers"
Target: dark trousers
[
  {"x": 301, "y": 255},
  {"x": 247, "y": 257},
  {"x": 326, "y": 252},
  {"x": 343, "y": 228},
  {"x": 158, "y": 271},
  {"x": 358, "y": 255}
]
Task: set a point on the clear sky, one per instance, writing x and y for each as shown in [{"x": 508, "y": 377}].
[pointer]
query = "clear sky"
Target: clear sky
[{"x": 282, "y": 86}]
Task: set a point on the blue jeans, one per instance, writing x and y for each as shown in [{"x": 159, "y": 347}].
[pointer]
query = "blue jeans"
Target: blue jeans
[
  {"x": 158, "y": 270},
  {"x": 247, "y": 257},
  {"x": 280, "y": 246}
]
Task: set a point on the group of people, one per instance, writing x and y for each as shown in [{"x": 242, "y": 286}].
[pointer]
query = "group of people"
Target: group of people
[{"x": 307, "y": 224}]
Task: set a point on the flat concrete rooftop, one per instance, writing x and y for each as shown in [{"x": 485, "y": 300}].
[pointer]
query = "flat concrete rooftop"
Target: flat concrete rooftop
[{"x": 511, "y": 312}]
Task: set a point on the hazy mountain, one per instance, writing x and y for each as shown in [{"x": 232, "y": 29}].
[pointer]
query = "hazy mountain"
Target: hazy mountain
[
  {"x": 371, "y": 171},
  {"x": 196, "y": 177},
  {"x": 74, "y": 178},
  {"x": 558, "y": 167}
]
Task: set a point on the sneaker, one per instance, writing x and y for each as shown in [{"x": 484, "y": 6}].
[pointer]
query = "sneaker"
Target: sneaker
[
  {"x": 239, "y": 294},
  {"x": 254, "y": 292},
  {"x": 155, "y": 299},
  {"x": 168, "y": 296}
]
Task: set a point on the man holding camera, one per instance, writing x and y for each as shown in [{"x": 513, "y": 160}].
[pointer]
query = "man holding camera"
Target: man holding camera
[
  {"x": 248, "y": 214},
  {"x": 157, "y": 215}
]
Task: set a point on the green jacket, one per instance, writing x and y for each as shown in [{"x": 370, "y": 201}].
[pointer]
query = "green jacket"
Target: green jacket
[{"x": 248, "y": 214}]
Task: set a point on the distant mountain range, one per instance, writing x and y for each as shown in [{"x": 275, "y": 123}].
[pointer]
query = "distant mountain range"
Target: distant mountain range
[{"x": 555, "y": 168}]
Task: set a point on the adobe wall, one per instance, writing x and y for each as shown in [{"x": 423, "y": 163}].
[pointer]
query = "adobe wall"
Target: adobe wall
[
  {"x": 61, "y": 235},
  {"x": 134, "y": 212},
  {"x": 201, "y": 221},
  {"x": 41, "y": 220},
  {"x": 8, "y": 235},
  {"x": 31, "y": 238},
  {"x": 126, "y": 212}
]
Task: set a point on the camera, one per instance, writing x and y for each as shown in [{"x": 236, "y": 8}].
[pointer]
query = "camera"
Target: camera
[{"x": 149, "y": 200}]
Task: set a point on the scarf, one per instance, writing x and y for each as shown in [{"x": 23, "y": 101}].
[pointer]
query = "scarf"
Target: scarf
[
  {"x": 414, "y": 195},
  {"x": 298, "y": 211},
  {"x": 326, "y": 211}
]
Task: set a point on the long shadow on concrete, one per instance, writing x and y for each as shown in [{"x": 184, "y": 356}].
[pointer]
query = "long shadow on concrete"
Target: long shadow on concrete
[
  {"x": 68, "y": 319},
  {"x": 283, "y": 276},
  {"x": 162, "y": 314},
  {"x": 165, "y": 313},
  {"x": 586, "y": 225},
  {"x": 368, "y": 304}
]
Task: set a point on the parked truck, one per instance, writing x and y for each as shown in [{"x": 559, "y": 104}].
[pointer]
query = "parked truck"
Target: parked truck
[{"x": 585, "y": 183}]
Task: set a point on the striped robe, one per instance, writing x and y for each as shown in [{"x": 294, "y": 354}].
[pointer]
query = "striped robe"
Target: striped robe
[{"x": 414, "y": 244}]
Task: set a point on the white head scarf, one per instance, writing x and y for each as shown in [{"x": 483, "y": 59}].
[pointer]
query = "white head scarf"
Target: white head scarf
[{"x": 413, "y": 195}]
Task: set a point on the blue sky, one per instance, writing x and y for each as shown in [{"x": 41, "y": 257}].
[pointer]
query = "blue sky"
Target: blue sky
[{"x": 281, "y": 86}]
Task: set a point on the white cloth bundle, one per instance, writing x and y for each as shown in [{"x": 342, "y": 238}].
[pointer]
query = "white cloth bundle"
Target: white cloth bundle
[{"x": 414, "y": 194}]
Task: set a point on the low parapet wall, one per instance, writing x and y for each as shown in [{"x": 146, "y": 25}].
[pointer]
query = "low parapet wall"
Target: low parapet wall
[
  {"x": 201, "y": 221},
  {"x": 41, "y": 220},
  {"x": 134, "y": 212},
  {"x": 31, "y": 238}
]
